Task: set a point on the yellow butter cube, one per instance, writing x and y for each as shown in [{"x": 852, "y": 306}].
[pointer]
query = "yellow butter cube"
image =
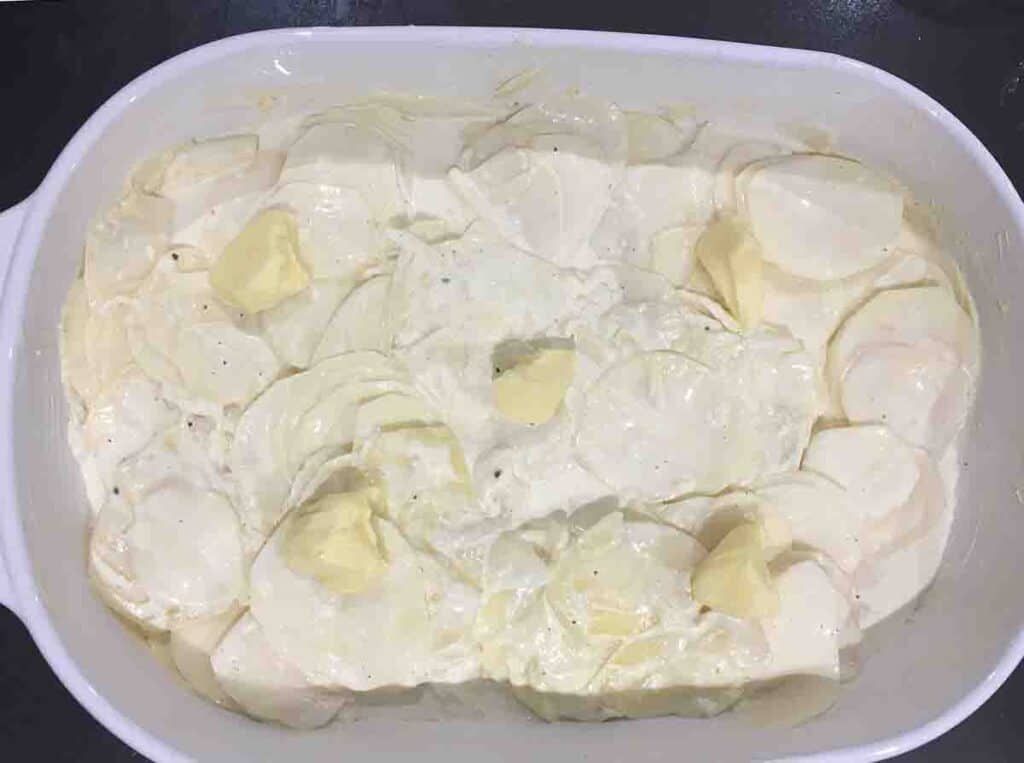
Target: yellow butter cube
[
  {"x": 532, "y": 389},
  {"x": 333, "y": 541},
  {"x": 734, "y": 578},
  {"x": 260, "y": 267}
]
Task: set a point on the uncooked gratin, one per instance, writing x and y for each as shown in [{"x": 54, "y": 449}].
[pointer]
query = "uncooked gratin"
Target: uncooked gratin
[{"x": 630, "y": 412}]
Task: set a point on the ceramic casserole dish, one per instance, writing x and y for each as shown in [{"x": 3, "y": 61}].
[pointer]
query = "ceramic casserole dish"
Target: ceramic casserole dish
[{"x": 924, "y": 670}]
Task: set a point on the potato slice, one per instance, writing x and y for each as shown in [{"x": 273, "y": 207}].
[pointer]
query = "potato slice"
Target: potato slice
[
  {"x": 266, "y": 684},
  {"x": 732, "y": 257},
  {"x": 392, "y": 410},
  {"x": 191, "y": 645},
  {"x": 821, "y": 217},
  {"x": 204, "y": 160}
]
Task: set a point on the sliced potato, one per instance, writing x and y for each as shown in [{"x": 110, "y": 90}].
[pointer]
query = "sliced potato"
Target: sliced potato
[
  {"x": 732, "y": 257},
  {"x": 191, "y": 645}
]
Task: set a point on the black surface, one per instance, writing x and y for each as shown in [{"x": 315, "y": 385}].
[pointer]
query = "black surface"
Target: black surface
[{"x": 61, "y": 60}]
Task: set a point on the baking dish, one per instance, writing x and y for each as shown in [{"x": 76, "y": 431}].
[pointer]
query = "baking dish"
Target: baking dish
[{"x": 924, "y": 670}]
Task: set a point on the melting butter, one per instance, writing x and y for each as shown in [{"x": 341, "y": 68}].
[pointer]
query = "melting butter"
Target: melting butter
[
  {"x": 332, "y": 540},
  {"x": 532, "y": 389},
  {"x": 260, "y": 268},
  {"x": 734, "y": 578}
]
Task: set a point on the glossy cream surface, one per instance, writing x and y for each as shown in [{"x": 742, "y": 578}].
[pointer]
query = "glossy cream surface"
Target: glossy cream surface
[{"x": 629, "y": 412}]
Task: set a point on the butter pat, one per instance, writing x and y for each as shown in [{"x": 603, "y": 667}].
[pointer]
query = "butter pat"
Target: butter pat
[
  {"x": 734, "y": 578},
  {"x": 260, "y": 267},
  {"x": 332, "y": 540},
  {"x": 732, "y": 257},
  {"x": 532, "y": 389}
]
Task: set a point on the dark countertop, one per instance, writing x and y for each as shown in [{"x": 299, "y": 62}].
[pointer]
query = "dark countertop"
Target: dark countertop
[{"x": 60, "y": 60}]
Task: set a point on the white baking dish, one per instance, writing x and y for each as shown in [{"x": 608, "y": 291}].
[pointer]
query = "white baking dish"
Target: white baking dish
[{"x": 924, "y": 671}]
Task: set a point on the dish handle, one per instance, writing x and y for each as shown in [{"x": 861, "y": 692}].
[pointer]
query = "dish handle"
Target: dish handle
[{"x": 10, "y": 224}]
